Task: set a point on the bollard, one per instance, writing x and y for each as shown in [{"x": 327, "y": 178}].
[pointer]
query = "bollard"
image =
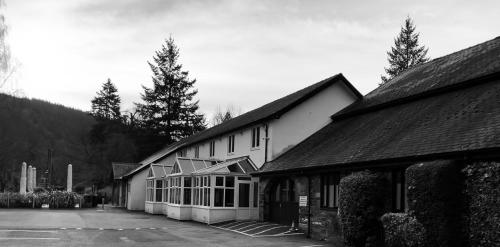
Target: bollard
[{"x": 103, "y": 203}]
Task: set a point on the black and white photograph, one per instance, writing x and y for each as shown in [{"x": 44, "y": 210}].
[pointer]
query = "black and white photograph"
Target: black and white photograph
[{"x": 249, "y": 123}]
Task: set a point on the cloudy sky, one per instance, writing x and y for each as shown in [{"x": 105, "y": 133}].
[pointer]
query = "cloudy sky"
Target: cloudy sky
[{"x": 243, "y": 53}]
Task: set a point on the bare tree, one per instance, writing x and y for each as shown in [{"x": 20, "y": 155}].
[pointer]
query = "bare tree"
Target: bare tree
[
  {"x": 221, "y": 116},
  {"x": 8, "y": 65}
]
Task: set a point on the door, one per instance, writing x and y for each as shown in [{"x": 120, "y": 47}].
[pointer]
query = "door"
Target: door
[{"x": 284, "y": 208}]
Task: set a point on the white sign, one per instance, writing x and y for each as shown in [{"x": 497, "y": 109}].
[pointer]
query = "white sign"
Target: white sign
[{"x": 302, "y": 201}]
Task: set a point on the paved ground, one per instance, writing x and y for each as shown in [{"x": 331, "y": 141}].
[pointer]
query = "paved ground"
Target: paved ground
[{"x": 113, "y": 227}]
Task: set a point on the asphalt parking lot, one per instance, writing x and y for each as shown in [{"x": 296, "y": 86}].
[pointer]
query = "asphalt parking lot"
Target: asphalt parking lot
[{"x": 117, "y": 227}]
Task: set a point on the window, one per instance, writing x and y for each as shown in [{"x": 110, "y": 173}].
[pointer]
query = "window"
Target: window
[
  {"x": 206, "y": 191},
  {"x": 212, "y": 149},
  {"x": 255, "y": 137},
  {"x": 230, "y": 144},
  {"x": 197, "y": 152},
  {"x": 187, "y": 191},
  {"x": 182, "y": 153},
  {"x": 330, "y": 190},
  {"x": 158, "y": 190},
  {"x": 196, "y": 191},
  {"x": 150, "y": 190},
  {"x": 255, "y": 194},
  {"x": 175, "y": 190},
  {"x": 244, "y": 195},
  {"x": 399, "y": 191},
  {"x": 224, "y": 192},
  {"x": 229, "y": 192},
  {"x": 165, "y": 190}
]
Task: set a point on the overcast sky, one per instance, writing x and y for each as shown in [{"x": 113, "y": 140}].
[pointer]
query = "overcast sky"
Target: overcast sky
[{"x": 243, "y": 53}]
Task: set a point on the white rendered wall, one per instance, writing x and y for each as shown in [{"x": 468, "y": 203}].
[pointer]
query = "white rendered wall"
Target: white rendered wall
[
  {"x": 137, "y": 194},
  {"x": 307, "y": 118}
]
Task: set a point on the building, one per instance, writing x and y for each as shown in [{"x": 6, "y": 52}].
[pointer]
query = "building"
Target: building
[
  {"x": 206, "y": 177},
  {"x": 445, "y": 109},
  {"x": 119, "y": 195}
]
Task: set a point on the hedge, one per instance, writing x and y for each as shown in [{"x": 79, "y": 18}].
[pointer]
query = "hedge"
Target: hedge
[
  {"x": 434, "y": 197},
  {"x": 402, "y": 230},
  {"x": 482, "y": 189},
  {"x": 363, "y": 197},
  {"x": 55, "y": 199}
]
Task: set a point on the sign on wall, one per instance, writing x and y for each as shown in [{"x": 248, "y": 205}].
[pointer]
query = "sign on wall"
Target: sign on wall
[{"x": 302, "y": 201}]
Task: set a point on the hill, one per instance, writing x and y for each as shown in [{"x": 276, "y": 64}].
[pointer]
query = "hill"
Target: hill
[{"x": 29, "y": 127}]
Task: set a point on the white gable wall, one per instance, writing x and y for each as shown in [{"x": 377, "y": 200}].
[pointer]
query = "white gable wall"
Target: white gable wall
[
  {"x": 136, "y": 194},
  {"x": 307, "y": 118}
]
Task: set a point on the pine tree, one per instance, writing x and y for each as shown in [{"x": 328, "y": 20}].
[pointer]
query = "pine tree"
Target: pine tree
[
  {"x": 106, "y": 105},
  {"x": 406, "y": 51},
  {"x": 169, "y": 109}
]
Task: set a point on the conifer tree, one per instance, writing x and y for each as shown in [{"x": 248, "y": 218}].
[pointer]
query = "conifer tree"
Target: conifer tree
[
  {"x": 406, "y": 51},
  {"x": 106, "y": 105},
  {"x": 169, "y": 109}
]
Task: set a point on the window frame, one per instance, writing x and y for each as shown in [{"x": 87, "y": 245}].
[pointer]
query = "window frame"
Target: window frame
[
  {"x": 197, "y": 151},
  {"x": 211, "y": 149},
  {"x": 330, "y": 179},
  {"x": 230, "y": 144},
  {"x": 255, "y": 138}
]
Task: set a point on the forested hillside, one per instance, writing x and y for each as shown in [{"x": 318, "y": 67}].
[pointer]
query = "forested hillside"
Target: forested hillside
[{"x": 29, "y": 127}]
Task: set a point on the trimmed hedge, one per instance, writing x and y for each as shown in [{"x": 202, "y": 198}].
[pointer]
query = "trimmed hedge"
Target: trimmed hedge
[
  {"x": 363, "y": 197},
  {"x": 55, "y": 199},
  {"x": 434, "y": 197},
  {"x": 402, "y": 230},
  {"x": 482, "y": 189}
]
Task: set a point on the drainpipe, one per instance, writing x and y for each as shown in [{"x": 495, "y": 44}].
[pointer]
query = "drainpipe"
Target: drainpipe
[
  {"x": 267, "y": 142},
  {"x": 309, "y": 206}
]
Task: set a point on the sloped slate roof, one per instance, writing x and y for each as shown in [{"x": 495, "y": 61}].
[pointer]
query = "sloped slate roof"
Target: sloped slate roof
[
  {"x": 462, "y": 120},
  {"x": 268, "y": 111},
  {"x": 120, "y": 169},
  {"x": 448, "y": 71}
]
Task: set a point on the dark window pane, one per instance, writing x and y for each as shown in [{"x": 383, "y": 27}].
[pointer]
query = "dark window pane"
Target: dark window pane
[
  {"x": 219, "y": 197},
  {"x": 229, "y": 181},
  {"x": 244, "y": 196},
  {"x": 219, "y": 181},
  {"x": 187, "y": 182},
  {"x": 229, "y": 201},
  {"x": 187, "y": 196}
]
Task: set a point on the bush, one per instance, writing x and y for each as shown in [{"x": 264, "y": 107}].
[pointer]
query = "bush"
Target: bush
[
  {"x": 55, "y": 199},
  {"x": 482, "y": 189},
  {"x": 402, "y": 230},
  {"x": 434, "y": 197},
  {"x": 363, "y": 197}
]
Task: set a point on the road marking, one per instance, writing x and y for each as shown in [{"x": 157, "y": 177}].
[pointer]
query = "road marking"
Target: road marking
[
  {"x": 29, "y": 238},
  {"x": 152, "y": 228},
  {"x": 246, "y": 234},
  {"x": 63, "y": 228},
  {"x": 28, "y": 231},
  {"x": 266, "y": 225},
  {"x": 125, "y": 239},
  {"x": 138, "y": 228},
  {"x": 119, "y": 229},
  {"x": 241, "y": 228},
  {"x": 281, "y": 235},
  {"x": 272, "y": 228},
  {"x": 311, "y": 245},
  {"x": 78, "y": 228},
  {"x": 100, "y": 229}
]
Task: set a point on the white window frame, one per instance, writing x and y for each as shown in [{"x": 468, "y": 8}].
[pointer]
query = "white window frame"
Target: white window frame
[
  {"x": 255, "y": 138},
  {"x": 230, "y": 144}
]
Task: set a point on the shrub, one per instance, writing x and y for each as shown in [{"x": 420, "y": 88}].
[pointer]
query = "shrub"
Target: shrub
[
  {"x": 482, "y": 189},
  {"x": 434, "y": 197},
  {"x": 402, "y": 230},
  {"x": 363, "y": 197},
  {"x": 55, "y": 199}
]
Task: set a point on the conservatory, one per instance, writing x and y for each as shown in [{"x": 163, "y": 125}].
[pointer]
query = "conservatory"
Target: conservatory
[
  {"x": 155, "y": 188},
  {"x": 212, "y": 191}
]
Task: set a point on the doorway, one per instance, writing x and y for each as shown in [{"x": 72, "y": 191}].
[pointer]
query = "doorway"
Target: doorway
[{"x": 284, "y": 208}]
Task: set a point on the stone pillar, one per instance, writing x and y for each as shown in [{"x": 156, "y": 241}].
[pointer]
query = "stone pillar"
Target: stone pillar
[
  {"x": 22, "y": 186},
  {"x": 69, "y": 185},
  {"x": 34, "y": 178},
  {"x": 29, "y": 179}
]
